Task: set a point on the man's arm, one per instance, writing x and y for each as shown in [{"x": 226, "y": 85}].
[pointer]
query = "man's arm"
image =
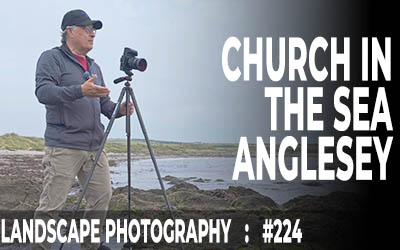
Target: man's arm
[
  {"x": 48, "y": 76},
  {"x": 107, "y": 106}
]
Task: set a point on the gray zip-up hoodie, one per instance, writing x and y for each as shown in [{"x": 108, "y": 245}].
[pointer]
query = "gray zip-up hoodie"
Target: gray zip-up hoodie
[{"x": 73, "y": 120}]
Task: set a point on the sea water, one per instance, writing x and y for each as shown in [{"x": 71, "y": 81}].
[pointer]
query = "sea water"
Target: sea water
[{"x": 216, "y": 173}]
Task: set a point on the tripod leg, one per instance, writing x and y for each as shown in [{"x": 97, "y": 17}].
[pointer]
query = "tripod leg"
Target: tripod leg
[
  {"x": 128, "y": 142},
  {"x": 150, "y": 149},
  {"x": 85, "y": 187},
  {"x": 136, "y": 107}
]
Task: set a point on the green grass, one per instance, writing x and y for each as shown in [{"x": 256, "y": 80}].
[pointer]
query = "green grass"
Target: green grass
[{"x": 13, "y": 141}]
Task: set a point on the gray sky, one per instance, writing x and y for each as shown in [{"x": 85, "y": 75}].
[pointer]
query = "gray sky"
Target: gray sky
[{"x": 183, "y": 95}]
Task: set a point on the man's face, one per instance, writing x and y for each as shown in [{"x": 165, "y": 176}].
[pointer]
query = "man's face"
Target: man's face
[{"x": 82, "y": 37}]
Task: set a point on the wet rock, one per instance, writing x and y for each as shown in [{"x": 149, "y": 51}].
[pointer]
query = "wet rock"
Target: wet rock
[
  {"x": 189, "y": 178},
  {"x": 140, "y": 199},
  {"x": 182, "y": 186},
  {"x": 18, "y": 193},
  {"x": 172, "y": 179},
  {"x": 246, "y": 198},
  {"x": 191, "y": 200},
  {"x": 201, "y": 180},
  {"x": 334, "y": 201},
  {"x": 241, "y": 191},
  {"x": 311, "y": 183},
  {"x": 222, "y": 193},
  {"x": 112, "y": 162},
  {"x": 185, "y": 195}
]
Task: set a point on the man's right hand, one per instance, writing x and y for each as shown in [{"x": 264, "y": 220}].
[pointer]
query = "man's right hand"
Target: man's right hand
[{"x": 90, "y": 89}]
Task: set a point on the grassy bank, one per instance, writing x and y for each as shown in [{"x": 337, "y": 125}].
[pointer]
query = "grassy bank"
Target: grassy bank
[{"x": 13, "y": 141}]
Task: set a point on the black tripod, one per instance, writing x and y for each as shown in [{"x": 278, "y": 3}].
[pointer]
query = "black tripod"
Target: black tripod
[{"x": 127, "y": 91}]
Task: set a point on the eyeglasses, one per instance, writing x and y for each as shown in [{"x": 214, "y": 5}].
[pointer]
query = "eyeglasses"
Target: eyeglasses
[{"x": 89, "y": 28}]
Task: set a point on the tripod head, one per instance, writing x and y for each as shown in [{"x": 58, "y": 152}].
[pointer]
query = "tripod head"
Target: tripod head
[{"x": 127, "y": 78}]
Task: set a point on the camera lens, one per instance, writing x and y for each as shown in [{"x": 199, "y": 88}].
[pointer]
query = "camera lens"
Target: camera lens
[
  {"x": 138, "y": 63},
  {"x": 142, "y": 64}
]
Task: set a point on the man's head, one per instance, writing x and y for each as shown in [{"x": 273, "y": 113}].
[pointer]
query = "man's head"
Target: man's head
[{"x": 78, "y": 30}]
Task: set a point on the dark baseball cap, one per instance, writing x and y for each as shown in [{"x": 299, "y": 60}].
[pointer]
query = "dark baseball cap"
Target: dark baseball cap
[{"x": 80, "y": 18}]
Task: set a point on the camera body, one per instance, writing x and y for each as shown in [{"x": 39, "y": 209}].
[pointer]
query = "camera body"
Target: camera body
[{"x": 130, "y": 61}]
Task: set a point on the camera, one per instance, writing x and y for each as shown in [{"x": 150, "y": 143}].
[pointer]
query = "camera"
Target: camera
[{"x": 130, "y": 61}]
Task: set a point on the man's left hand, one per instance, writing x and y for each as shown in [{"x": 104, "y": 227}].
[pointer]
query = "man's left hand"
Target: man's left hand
[{"x": 122, "y": 109}]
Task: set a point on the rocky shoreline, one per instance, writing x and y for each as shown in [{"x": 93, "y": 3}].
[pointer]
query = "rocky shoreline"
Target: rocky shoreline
[
  {"x": 21, "y": 184},
  {"x": 21, "y": 175}
]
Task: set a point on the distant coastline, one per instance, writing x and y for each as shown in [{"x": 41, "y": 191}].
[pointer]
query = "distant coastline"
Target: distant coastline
[{"x": 12, "y": 141}]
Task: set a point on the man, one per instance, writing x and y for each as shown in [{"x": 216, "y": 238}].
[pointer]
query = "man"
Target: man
[{"x": 71, "y": 86}]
